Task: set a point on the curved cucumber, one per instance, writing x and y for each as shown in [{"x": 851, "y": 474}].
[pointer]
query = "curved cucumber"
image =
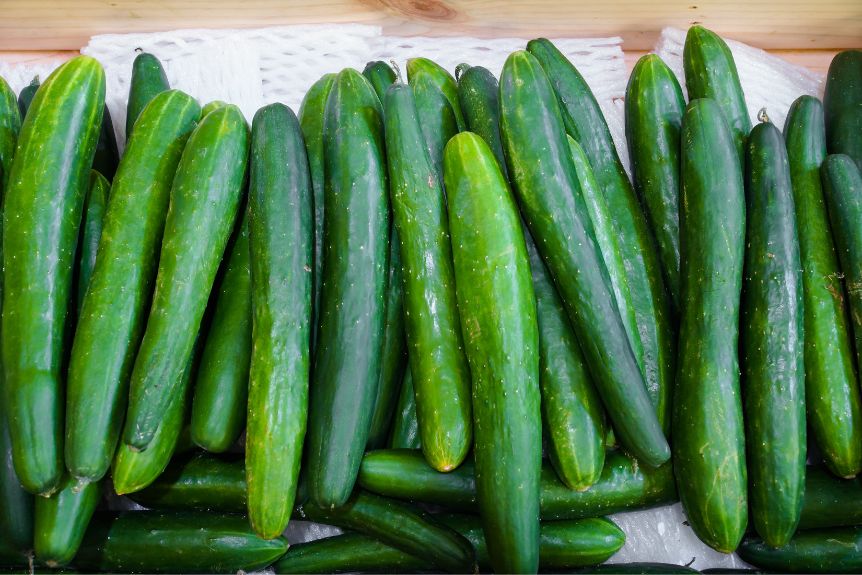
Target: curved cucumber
[
  {"x": 437, "y": 107},
  {"x": 61, "y": 520},
  {"x": 347, "y": 553},
  {"x": 709, "y": 445},
  {"x": 654, "y": 107},
  {"x": 43, "y": 202},
  {"x": 381, "y": 76},
  {"x": 479, "y": 98},
  {"x": 830, "y": 501},
  {"x": 771, "y": 336},
  {"x": 836, "y": 550},
  {"x": 347, "y": 361},
  {"x": 106, "y": 156},
  {"x": 91, "y": 231},
  {"x": 842, "y": 101},
  {"x": 26, "y": 95},
  {"x": 545, "y": 183},
  {"x": 405, "y": 426},
  {"x": 148, "y": 81},
  {"x": 113, "y": 313}
]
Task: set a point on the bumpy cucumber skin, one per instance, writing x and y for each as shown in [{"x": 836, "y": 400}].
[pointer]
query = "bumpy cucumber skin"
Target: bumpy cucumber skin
[
  {"x": 547, "y": 189},
  {"x": 134, "y": 542},
  {"x": 842, "y": 101},
  {"x": 437, "y": 105},
  {"x": 653, "y": 112},
  {"x": 43, "y": 202},
  {"x": 710, "y": 72},
  {"x": 771, "y": 341},
  {"x": 281, "y": 231},
  {"x": 107, "y": 156},
  {"x": 830, "y": 501},
  {"x": 405, "y": 425},
  {"x": 479, "y": 97},
  {"x": 353, "y": 299},
  {"x": 148, "y": 81},
  {"x": 347, "y": 553},
  {"x": 832, "y": 394},
  {"x": 113, "y": 313},
  {"x": 709, "y": 442},
  {"x": 585, "y": 122},
  {"x": 61, "y": 520},
  {"x": 91, "y": 230},
  {"x": 25, "y": 96},
  {"x": 837, "y": 550},
  {"x": 221, "y": 383}
]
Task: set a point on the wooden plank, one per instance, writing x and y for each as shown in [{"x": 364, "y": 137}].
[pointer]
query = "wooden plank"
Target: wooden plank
[{"x": 773, "y": 24}]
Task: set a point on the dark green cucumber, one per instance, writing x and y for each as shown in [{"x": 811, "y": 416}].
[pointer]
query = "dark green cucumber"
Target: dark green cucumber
[
  {"x": 381, "y": 75},
  {"x": 91, "y": 230},
  {"x": 638, "y": 569},
  {"x": 437, "y": 106},
  {"x": 501, "y": 339},
  {"x": 135, "y": 542},
  {"x": 771, "y": 340},
  {"x": 205, "y": 197},
  {"x": 654, "y": 108},
  {"x": 710, "y": 72},
  {"x": 830, "y": 501},
  {"x": 113, "y": 313},
  {"x": 221, "y": 383},
  {"x": 10, "y": 126},
  {"x": 148, "y": 81},
  {"x": 200, "y": 482},
  {"x": 311, "y": 114},
  {"x": 842, "y": 102},
  {"x": 842, "y": 188},
  {"x": 212, "y": 107},
  {"x": 417, "y": 533},
  {"x": 347, "y": 361},
  {"x": 709, "y": 443},
  {"x": 837, "y": 550},
  {"x": 42, "y": 211},
  {"x": 585, "y": 122},
  {"x": 282, "y": 239},
  {"x": 107, "y": 156},
  {"x": 546, "y": 184},
  {"x": 623, "y": 486},
  {"x": 347, "y": 553},
  {"x": 405, "y": 426},
  {"x": 832, "y": 394},
  {"x": 479, "y": 98},
  {"x": 16, "y": 505},
  {"x": 438, "y": 364},
  {"x": 62, "y": 519},
  {"x": 25, "y": 96}
]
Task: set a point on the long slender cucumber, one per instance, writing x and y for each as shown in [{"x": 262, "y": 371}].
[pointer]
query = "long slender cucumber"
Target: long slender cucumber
[
  {"x": 61, "y": 520},
  {"x": 842, "y": 101},
  {"x": 381, "y": 75},
  {"x": 405, "y": 426},
  {"x": 479, "y": 97},
  {"x": 830, "y": 501},
  {"x": 347, "y": 553},
  {"x": 10, "y": 126},
  {"x": 106, "y": 157},
  {"x": 437, "y": 106},
  {"x": 837, "y": 550},
  {"x": 91, "y": 231},
  {"x": 148, "y": 81}
]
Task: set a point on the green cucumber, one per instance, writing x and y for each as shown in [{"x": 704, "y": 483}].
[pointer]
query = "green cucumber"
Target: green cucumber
[
  {"x": 221, "y": 383},
  {"x": 417, "y": 533},
  {"x": 437, "y": 107},
  {"x": 438, "y": 364},
  {"x": 281, "y": 232},
  {"x": 135, "y": 542},
  {"x": 91, "y": 230},
  {"x": 16, "y": 505},
  {"x": 212, "y": 107},
  {"x": 205, "y": 198},
  {"x": 837, "y": 550},
  {"x": 42, "y": 211},
  {"x": 842, "y": 102},
  {"x": 709, "y": 444},
  {"x": 107, "y": 156},
  {"x": 585, "y": 122},
  {"x": 479, "y": 98},
  {"x": 440, "y": 77},
  {"x": 62, "y": 519},
  {"x": 200, "y": 482},
  {"x": 710, "y": 72},
  {"x": 25, "y": 96},
  {"x": 405, "y": 425},
  {"x": 638, "y": 569},
  {"x": 842, "y": 188},
  {"x": 381, "y": 75},
  {"x": 351, "y": 321},
  {"x": 10, "y": 126},
  {"x": 311, "y": 114},
  {"x": 113, "y": 313},
  {"x": 830, "y": 501},
  {"x": 653, "y": 111},
  {"x": 347, "y": 553},
  {"x": 148, "y": 81},
  {"x": 545, "y": 183},
  {"x": 831, "y": 392},
  {"x": 501, "y": 339}
]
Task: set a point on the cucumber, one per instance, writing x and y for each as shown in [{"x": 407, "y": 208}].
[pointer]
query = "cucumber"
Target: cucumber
[
  {"x": 381, "y": 76},
  {"x": 837, "y": 550},
  {"x": 417, "y": 533},
  {"x": 842, "y": 101},
  {"x": 135, "y": 542},
  {"x": 710, "y": 72},
  {"x": 831, "y": 392},
  {"x": 623, "y": 486},
  {"x": 351, "y": 321},
  {"x": 112, "y": 317},
  {"x": 311, "y": 114},
  {"x": 199, "y": 482},
  {"x": 439, "y": 113},
  {"x": 638, "y": 568},
  {"x": 438, "y": 364},
  {"x": 107, "y": 156},
  {"x": 405, "y": 426},
  {"x": 212, "y": 107},
  {"x": 347, "y": 553},
  {"x": 62, "y": 519},
  {"x": 10, "y": 126},
  {"x": 211, "y": 173},
  {"x": 842, "y": 188},
  {"x": 545, "y": 183},
  {"x": 653, "y": 113},
  {"x": 830, "y": 501},
  {"x": 91, "y": 230},
  {"x": 281, "y": 233},
  {"x": 25, "y": 96},
  {"x": 709, "y": 445},
  {"x": 585, "y": 122},
  {"x": 16, "y": 505},
  {"x": 479, "y": 98},
  {"x": 42, "y": 209},
  {"x": 148, "y": 80}
]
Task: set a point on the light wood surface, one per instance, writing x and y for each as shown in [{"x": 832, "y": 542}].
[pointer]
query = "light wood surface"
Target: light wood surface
[{"x": 772, "y": 24}]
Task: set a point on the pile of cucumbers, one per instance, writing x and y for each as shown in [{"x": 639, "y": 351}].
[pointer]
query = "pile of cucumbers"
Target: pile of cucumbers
[{"x": 434, "y": 312}]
